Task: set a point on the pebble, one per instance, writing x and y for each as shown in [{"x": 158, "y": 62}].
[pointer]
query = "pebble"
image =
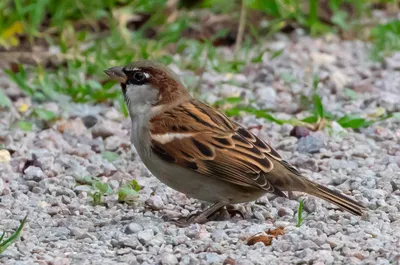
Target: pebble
[
  {"x": 267, "y": 96},
  {"x": 155, "y": 202},
  {"x": 34, "y": 173},
  {"x": 2, "y": 186},
  {"x": 112, "y": 143},
  {"x": 4, "y": 156},
  {"x": 74, "y": 127},
  {"x": 169, "y": 259},
  {"x": 311, "y": 143},
  {"x": 133, "y": 228},
  {"x": 145, "y": 236},
  {"x": 89, "y": 121},
  {"x": 105, "y": 128}
]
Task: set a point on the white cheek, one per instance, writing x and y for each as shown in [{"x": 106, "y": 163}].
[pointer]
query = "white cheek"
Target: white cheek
[{"x": 140, "y": 98}]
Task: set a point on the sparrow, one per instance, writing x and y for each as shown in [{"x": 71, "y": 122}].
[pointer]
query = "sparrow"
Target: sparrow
[{"x": 197, "y": 150}]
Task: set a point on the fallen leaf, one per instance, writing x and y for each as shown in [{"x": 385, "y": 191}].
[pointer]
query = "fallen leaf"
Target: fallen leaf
[
  {"x": 276, "y": 232},
  {"x": 4, "y": 156},
  {"x": 265, "y": 237},
  {"x": 266, "y": 240}
]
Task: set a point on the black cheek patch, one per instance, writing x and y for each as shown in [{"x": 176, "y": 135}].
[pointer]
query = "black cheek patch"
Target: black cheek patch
[{"x": 123, "y": 87}]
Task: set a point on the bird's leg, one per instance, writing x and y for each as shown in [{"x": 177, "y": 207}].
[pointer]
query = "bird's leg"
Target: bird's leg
[
  {"x": 231, "y": 209},
  {"x": 225, "y": 213},
  {"x": 200, "y": 218}
]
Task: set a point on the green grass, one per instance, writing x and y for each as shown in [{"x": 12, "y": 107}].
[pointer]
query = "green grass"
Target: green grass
[
  {"x": 126, "y": 193},
  {"x": 300, "y": 214},
  {"x": 5, "y": 243},
  {"x": 386, "y": 39},
  {"x": 318, "y": 115}
]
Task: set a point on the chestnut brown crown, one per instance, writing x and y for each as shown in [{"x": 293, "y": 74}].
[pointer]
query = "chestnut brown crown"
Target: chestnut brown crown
[{"x": 150, "y": 75}]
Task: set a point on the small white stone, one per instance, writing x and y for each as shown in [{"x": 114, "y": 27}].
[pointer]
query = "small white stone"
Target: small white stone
[
  {"x": 4, "y": 156},
  {"x": 2, "y": 186}
]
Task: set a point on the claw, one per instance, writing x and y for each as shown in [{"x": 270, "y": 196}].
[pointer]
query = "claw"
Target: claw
[
  {"x": 217, "y": 212},
  {"x": 233, "y": 211},
  {"x": 195, "y": 218}
]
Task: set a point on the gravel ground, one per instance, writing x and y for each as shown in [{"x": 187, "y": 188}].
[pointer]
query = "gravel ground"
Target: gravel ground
[{"x": 65, "y": 228}]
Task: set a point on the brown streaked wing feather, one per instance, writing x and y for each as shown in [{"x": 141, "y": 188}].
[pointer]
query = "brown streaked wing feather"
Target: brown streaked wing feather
[{"x": 216, "y": 147}]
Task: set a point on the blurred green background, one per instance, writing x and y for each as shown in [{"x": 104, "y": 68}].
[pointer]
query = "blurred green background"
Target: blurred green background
[{"x": 52, "y": 47}]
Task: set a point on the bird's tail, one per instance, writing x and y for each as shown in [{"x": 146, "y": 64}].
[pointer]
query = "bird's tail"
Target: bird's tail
[{"x": 338, "y": 199}]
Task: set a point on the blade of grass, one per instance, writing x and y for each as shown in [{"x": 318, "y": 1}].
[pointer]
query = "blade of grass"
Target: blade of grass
[
  {"x": 300, "y": 214},
  {"x": 319, "y": 108},
  {"x": 5, "y": 244}
]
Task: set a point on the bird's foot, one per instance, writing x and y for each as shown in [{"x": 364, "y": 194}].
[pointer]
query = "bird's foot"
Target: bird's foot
[
  {"x": 196, "y": 218},
  {"x": 222, "y": 214},
  {"x": 232, "y": 210}
]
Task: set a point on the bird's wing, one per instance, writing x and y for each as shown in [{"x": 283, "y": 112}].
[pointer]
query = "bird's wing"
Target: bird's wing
[{"x": 198, "y": 137}]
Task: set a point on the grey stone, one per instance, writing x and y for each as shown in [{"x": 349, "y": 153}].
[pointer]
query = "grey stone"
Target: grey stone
[
  {"x": 133, "y": 228},
  {"x": 37, "y": 190},
  {"x": 2, "y": 186},
  {"x": 129, "y": 242},
  {"x": 155, "y": 202},
  {"x": 145, "y": 236},
  {"x": 106, "y": 128},
  {"x": 84, "y": 188},
  {"x": 267, "y": 96},
  {"x": 114, "y": 183},
  {"x": 259, "y": 216},
  {"x": 311, "y": 143},
  {"x": 59, "y": 232},
  {"x": 112, "y": 143},
  {"x": 284, "y": 211},
  {"x": 34, "y": 173},
  {"x": 210, "y": 258},
  {"x": 304, "y": 244},
  {"x": 169, "y": 259},
  {"x": 123, "y": 251},
  {"x": 89, "y": 121},
  {"x": 393, "y": 62}
]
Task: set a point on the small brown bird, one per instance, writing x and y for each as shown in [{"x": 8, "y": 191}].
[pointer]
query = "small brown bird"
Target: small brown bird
[{"x": 197, "y": 150}]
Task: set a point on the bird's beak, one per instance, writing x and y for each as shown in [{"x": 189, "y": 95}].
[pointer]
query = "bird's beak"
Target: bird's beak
[{"x": 117, "y": 74}]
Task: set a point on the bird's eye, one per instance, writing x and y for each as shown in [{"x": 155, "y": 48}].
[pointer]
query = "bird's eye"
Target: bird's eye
[{"x": 137, "y": 78}]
